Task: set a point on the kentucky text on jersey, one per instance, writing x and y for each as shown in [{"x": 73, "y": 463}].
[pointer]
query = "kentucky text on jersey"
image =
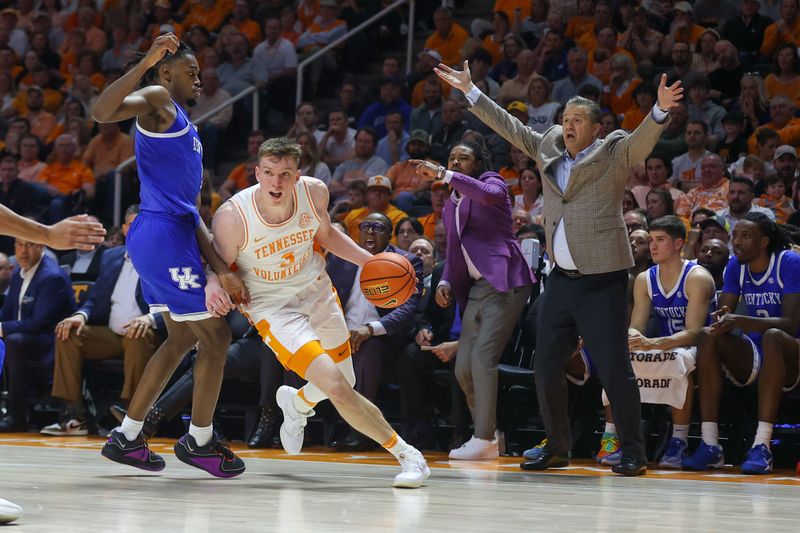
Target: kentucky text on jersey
[
  {"x": 170, "y": 166},
  {"x": 762, "y": 299},
  {"x": 278, "y": 245}
]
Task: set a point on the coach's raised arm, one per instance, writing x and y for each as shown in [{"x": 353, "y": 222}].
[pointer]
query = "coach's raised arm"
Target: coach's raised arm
[{"x": 583, "y": 178}]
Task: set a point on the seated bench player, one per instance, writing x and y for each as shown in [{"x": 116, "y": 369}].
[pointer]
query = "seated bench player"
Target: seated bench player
[{"x": 765, "y": 274}]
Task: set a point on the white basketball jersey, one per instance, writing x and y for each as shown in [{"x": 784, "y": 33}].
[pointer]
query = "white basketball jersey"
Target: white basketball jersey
[{"x": 278, "y": 260}]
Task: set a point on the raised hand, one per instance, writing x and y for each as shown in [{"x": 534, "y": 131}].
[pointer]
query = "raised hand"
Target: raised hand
[
  {"x": 460, "y": 79},
  {"x": 167, "y": 43},
  {"x": 668, "y": 97},
  {"x": 75, "y": 232}
]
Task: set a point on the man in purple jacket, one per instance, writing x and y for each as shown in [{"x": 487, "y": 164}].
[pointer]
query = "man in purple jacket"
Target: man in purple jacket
[{"x": 487, "y": 275}]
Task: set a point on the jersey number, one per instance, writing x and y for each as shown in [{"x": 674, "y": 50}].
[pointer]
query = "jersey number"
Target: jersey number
[{"x": 762, "y": 313}]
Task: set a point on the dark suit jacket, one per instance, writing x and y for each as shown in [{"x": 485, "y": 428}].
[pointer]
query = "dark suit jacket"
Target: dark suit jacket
[
  {"x": 437, "y": 319},
  {"x": 398, "y": 321},
  {"x": 47, "y": 300},
  {"x": 92, "y": 272},
  {"x": 97, "y": 307},
  {"x": 21, "y": 197}
]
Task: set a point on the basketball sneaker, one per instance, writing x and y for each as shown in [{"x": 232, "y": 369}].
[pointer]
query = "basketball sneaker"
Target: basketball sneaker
[
  {"x": 758, "y": 460},
  {"x": 132, "y": 452},
  {"x": 476, "y": 449},
  {"x": 215, "y": 457},
  {"x": 534, "y": 452},
  {"x": 294, "y": 422},
  {"x": 704, "y": 457},
  {"x": 9, "y": 512},
  {"x": 415, "y": 470},
  {"x": 67, "y": 427},
  {"x": 609, "y": 453},
  {"x": 676, "y": 452}
]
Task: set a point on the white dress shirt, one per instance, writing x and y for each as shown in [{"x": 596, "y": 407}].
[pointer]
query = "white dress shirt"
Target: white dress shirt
[
  {"x": 563, "y": 168},
  {"x": 27, "y": 276},
  {"x": 359, "y": 312},
  {"x": 123, "y": 299}
]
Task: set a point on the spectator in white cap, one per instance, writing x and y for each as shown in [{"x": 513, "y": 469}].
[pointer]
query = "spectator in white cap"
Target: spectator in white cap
[
  {"x": 379, "y": 194},
  {"x": 683, "y": 28}
]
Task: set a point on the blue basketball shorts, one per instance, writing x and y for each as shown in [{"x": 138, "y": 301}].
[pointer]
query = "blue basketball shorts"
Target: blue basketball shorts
[{"x": 164, "y": 252}]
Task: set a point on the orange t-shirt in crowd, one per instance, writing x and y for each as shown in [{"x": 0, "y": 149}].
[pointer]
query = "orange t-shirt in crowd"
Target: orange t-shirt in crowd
[
  {"x": 621, "y": 103},
  {"x": 578, "y": 26},
  {"x": 307, "y": 11},
  {"x": 211, "y": 18},
  {"x": 418, "y": 93},
  {"x": 67, "y": 178},
  {"x": 633, "y": 117},
  {"x": 249, "y": 28},
  {"x": 511, "y": 175},
  {"x": 449, "y": 47},
  {"x": 789, "y": 134},
  {"x": 509, "y": 6},
  {"x": 774, "y": 87},
  {"x": 429, "y": 225},
  {"x": 773, "y": 39},
  {"x": 404, "y": 178}
]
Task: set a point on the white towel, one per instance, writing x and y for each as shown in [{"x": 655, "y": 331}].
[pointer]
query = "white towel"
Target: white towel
[{"x": 662, "y": 376}]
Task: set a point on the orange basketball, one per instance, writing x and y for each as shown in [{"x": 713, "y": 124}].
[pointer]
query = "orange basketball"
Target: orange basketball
[{"x": 388, "y": 280}]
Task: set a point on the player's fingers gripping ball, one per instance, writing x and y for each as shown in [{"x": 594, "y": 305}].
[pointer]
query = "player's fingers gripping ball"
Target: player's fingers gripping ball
[{"x": 388, "y": 280}]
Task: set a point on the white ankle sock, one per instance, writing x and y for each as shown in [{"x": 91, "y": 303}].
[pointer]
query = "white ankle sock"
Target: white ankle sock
[
  {"x": 680, "y": 431},
  {"x": 396, "y": 445},
  {"x": 131, "y": 428},
  {"x": 763, "y": 434},
  {"x": 202, "y": 436},
  {"x": 710, "y": 433},
  {"x": 610, "y": 428},
  {"x": 301, "y": 404}
]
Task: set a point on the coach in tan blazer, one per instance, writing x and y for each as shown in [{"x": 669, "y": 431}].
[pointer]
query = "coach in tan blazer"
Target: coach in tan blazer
[{"x": 584, "y": 180}]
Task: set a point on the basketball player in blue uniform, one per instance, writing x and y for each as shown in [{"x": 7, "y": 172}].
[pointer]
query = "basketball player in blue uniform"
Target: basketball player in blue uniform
[
  {"x": 165, "y": 243},
  {"x": 765, "y": 274}
]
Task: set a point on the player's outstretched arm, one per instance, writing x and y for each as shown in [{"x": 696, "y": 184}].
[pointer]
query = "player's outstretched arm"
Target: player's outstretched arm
[
  {"x": 221, "y": 256},
  {"x": 329, "y": 237},
  {"x": 116, "y": 102},
  {"x": 74, "y": 232}
]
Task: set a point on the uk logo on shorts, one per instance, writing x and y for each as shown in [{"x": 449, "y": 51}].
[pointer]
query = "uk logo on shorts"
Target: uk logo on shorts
[{"x": 185, "y": 280}]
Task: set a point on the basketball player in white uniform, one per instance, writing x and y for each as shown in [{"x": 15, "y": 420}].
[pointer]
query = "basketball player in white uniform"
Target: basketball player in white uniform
[{"x": 269, "y": 231}]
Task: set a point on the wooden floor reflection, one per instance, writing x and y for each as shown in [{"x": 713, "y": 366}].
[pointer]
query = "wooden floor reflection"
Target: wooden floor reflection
[{"x": 63, "y": 484}]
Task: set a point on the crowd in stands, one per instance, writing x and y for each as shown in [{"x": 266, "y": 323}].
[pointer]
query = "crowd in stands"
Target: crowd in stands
[{"x": 730, "y": 148}]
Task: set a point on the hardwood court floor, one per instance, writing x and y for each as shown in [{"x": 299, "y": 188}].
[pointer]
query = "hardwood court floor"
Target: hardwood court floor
[{"x": 64, "y": 485}]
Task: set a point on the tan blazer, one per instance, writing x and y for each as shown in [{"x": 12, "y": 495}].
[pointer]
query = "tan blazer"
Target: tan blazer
[{"x": 592, "y": 203}]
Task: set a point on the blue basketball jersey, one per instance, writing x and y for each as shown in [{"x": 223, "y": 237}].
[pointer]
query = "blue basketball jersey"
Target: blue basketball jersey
[
  {"x": 669, "y": 306},
  {"x": 762, "y": 292},
  {"x": 170, "y": 166}
]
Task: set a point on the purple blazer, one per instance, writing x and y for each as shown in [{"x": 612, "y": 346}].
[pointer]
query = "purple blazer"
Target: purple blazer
[{"x": 485, "y": 232}]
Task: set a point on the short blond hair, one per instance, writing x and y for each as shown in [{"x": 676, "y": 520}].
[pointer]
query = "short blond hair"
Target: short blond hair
[{"x": 280, "y": 147}]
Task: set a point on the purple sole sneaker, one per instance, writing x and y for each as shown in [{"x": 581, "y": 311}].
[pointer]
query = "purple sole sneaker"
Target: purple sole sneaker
[
  {"x": 134, "y": 453},
  {"x": 216, "y": 457}
]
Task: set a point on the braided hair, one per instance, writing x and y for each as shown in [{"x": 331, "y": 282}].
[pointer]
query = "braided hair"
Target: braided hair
[
  {"x": 778, "y": 240},
  {"x": 151, "y": 76},
  {"x": 482, "y": 155}
]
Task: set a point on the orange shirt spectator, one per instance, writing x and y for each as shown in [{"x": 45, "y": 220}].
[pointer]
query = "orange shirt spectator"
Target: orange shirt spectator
[
  {"x": 244, "y": 24},
  {"x": 207, "y": 13},
  {"x": 52, "y": 101},
  {"x": 67, "y": 178},
  {"x": 774, "y": 87},
  {"x": 781, "y": 32},
  {"x": 405, "y": 178},
  {"x": 510, "y": 6},
  {"x": 107, "y": 149},
  {"x": 621, "y": 101},
  {"x": 307, "y": 11},
  {"x": 448, "y": 39},
  {"x": 42, "y": 122},
  {"x": 418, "y": 94},
  {"x": 789, "y": 134},
  {"x": 633, "y": 117},
  {"x": 714, "y": 198},
  {"x": 578, "y": 26}
]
